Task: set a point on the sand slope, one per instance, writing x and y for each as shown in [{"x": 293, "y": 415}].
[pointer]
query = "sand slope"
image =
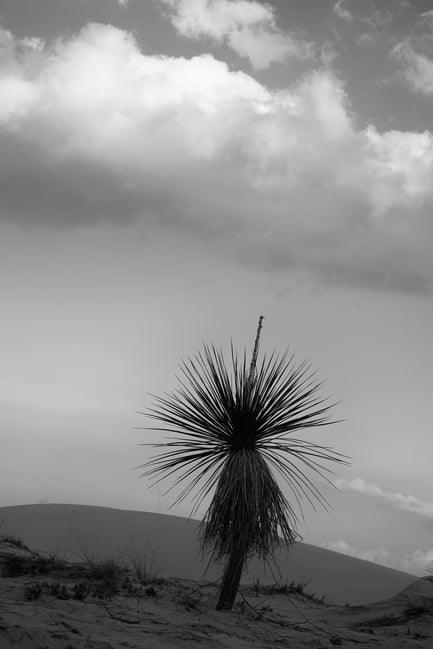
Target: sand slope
[{"x": 171, "y": 544}]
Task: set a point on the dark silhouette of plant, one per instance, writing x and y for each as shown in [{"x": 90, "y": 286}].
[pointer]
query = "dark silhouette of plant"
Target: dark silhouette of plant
[{"x": 232, "y": 430}]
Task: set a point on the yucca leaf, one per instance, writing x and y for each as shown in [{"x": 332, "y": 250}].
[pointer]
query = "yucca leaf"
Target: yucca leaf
[{"x": 231, "y": 434}]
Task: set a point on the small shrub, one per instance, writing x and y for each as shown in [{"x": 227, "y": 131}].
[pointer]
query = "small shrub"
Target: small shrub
[
  {"x": 81, "y": 590},
  {"x": 190, "y": 602},
  {"x": 44, "y": 564},
  {"x": 150, "y": 591},
  {"x": 286, "y": 588},
  {"x": 145, "y": 568},
  {"x": 13, "y": 565},
  {"x": 415, "y": 610},
  {"x": 139, "y": 566},
  {"x": 104, "y": 590},
  {"x": 59, "y": 590},
  {"x": 107, "y": 569},
  {"x": 16, "y": 541},
  {"x": 298, "y": 588},
  {"x": 33, "y": 591},
  {"x": 131, "y": 587},
  {"x": 191, "y": 599}
]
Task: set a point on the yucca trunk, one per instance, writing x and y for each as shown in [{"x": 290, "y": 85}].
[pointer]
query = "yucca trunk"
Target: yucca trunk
[{"x": 231, "y": 579}]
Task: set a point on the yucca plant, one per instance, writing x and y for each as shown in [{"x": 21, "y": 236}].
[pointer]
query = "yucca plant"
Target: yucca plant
[{"x": 233, "y": 435}]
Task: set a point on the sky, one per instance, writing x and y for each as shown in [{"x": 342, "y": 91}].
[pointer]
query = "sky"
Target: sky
[{"x": 170, "y": 170}]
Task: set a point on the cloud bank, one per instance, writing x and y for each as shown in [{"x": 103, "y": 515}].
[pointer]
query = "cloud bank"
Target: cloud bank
[
  {"x": 417, "y": 563},
  {"x": 375, "y": 555},
  {"x": 247, "y": 27},
  {"x": 397, "y": 500},
  {"x": 92, "y": 129}
]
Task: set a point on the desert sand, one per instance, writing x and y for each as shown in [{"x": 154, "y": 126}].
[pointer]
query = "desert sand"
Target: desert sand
[{"x": 56, "y": 599}]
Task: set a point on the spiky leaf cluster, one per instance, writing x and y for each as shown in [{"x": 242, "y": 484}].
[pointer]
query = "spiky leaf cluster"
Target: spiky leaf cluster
[{"x": 233, "y": 429}]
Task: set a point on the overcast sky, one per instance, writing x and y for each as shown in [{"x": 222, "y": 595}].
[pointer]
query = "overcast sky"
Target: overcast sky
[{"x": 172, "y": 169}]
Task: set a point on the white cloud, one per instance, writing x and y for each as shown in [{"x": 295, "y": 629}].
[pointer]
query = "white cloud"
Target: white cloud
[
  {"x": 33, "y": 43},
  {"x": 377, "y": 18},
  {"x": 341, "y": 10},
  {"x": 246, "y": 26},
  {"x": 417, "y": 68},
  {"x": 375, "y": 555},
  {"x": 98, "y": 130},
  {"x": 426, "y": 17},
  {"x": 365, "y": 39},
  {"x": 420, "y": 562},
  {"x": 399, "y": 167},
  {"x": 407, "y": 503},
  {"x": 417, "y": 563}
]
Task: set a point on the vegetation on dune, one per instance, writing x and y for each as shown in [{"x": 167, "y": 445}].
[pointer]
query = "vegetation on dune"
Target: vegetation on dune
[
  {"x": 101, "y": 578},
  {"x": 233, "y": 433}
]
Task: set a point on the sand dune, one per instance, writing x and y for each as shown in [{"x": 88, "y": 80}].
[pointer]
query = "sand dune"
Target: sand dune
[{"x": 172, "y": 545}]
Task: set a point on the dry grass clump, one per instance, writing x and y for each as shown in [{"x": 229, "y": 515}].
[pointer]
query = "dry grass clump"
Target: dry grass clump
[
  {"x": 13, "y": 565},
  {"x": 101, "y": 578},
  {"x": 145, "y": 567},
  {"x": 287, "y": 588}
]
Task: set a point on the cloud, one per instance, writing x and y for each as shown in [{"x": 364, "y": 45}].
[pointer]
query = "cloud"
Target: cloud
[
  {"x": 417, "y": 563},
  {"x": 426, "y": 17},
  {"x": 378, "y": 19},
  {"x": 247, "y": 27},
  {"x": 341, "y": 10},
  {"x": 415, "y": 55},
  {"x": 417, "y": 68},
  {"x": 376, "y": 555},
  {"x": 365, "y": 39},
  {"x": 92, "y": 129},
  {"x": 397, "y": 500}
]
